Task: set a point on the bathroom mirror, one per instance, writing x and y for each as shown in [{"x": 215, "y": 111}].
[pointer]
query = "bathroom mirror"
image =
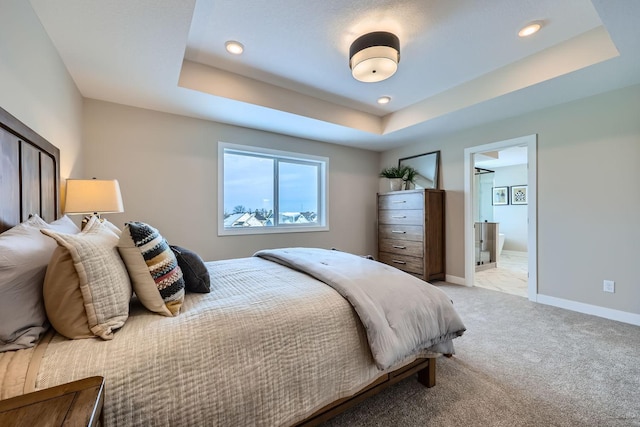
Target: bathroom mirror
[{"x": 427, "y": 165}]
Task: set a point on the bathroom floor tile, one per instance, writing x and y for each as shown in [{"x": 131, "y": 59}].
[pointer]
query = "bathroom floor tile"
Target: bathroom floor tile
[{"x": 510, "y": 276}]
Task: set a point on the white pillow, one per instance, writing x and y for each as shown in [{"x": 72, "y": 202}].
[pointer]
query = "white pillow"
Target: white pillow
[
  {"x": 24, "y": 254},
  {"x": 35, "y": 221},
  {"x": 65, "y": 225}
]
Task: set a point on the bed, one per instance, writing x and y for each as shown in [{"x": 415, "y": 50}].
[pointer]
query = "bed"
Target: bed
[{"x": 269, "y": 345}]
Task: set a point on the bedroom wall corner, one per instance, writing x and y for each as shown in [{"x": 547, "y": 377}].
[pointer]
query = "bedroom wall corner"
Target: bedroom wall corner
[{"x": 36, "y": 87}]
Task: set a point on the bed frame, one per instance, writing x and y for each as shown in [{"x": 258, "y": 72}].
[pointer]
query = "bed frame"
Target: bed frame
[
  {"x": 30, "y": 184},
  {"x": 425, "y": 368},
  {"x": 29, "y": 174}
]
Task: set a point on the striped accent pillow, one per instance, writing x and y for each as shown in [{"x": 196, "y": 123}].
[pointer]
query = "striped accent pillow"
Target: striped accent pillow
[{"x": 153, "y": 268}]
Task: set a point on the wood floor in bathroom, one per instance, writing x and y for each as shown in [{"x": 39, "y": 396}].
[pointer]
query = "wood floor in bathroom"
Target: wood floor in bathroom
[{"x": 510, "y": 276}]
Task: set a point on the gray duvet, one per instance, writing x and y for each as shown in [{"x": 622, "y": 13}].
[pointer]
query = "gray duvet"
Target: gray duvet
[{"x": 402, "y": 314}]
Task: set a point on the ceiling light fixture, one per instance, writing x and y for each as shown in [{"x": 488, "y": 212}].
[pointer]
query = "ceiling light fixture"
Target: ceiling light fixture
[
  {"x": 530, "y": 29},
  {"x": 374, "y": 57},
  {"x": 384, "y": 100},
  {"x": 234, "y": 47}
]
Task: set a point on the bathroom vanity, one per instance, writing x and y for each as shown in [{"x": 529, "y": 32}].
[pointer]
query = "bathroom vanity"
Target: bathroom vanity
[{"x": 487, "y": 248}]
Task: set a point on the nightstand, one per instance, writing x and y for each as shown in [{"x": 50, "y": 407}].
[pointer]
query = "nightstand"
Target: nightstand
[{"x": 77, "y": 403}]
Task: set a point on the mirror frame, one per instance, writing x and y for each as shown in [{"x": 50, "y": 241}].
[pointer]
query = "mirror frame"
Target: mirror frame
[{"x": 436, "y": 175}]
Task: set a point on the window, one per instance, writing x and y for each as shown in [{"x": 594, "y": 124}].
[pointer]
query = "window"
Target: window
[{"x": 268, "y": 191}]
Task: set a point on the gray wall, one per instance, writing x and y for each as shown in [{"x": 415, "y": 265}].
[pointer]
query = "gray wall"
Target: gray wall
[
  {"x": 35, "y": 86},
  {"x": 167, "y": 168},
  {"x": 588, "y": 197}
]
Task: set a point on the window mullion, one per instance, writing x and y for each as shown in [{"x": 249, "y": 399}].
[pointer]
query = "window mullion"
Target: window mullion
[
  {"x": 276, "y": 192},
  {"x": 319, "y": 184}
]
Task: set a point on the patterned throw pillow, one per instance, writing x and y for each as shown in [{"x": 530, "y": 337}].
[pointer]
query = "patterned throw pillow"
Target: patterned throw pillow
[{"x": 153, "y": 268}]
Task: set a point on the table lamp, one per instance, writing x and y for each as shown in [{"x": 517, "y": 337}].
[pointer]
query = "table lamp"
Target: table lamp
[{"x": 93, "y": 197}]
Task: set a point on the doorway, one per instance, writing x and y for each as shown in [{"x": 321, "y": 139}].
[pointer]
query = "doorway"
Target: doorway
[{"x": 472, "y": 156}]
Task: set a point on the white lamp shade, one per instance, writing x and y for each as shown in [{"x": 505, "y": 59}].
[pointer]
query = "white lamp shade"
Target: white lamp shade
[
  {"x": 85, "y": 196},
  {"x": 374, "y": 64}
]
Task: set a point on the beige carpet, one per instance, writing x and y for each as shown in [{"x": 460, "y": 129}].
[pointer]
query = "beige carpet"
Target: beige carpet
[{"x": 519, "y": 364}]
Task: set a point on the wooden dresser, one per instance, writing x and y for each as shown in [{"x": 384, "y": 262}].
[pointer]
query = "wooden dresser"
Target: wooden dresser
[{"x": 411, "y": 232}]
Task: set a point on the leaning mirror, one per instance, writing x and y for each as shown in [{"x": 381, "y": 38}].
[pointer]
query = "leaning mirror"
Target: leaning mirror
[{"x": 427, "y": 166}]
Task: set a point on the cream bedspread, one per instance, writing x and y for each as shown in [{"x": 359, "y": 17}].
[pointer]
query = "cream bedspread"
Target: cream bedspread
[
  {"x": 400, "y": 313},
  {"x": 267, "y": 347},
  {"x": 13, "y": 372}
]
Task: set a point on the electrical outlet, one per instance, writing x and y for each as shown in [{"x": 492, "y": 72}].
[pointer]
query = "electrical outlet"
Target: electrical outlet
[{"x": 609, "y": 286}]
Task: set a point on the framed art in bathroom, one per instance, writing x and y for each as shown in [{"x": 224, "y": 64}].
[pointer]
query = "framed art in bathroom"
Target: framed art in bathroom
[
  {"x": 519, "y": 195},
  {"x": 500, "y": 196}
]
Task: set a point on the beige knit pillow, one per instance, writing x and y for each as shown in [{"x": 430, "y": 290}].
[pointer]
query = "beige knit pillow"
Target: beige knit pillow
[
  {"x": 102, "y": 279},
  {"x": 62, "y": 297}
]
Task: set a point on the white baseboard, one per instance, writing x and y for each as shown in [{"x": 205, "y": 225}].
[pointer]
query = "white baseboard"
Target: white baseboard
[
  {"x": 607, "y": 313},
  {"x": 455, "y": 280},
  {"x": 594, "y": 310}
]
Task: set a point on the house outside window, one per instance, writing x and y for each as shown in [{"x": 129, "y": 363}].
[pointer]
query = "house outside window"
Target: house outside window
[{"x": 269, "y": 191}]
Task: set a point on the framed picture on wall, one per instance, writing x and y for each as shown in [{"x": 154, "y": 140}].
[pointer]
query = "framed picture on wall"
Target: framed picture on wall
[
  {"x": 500, "y": 196},
  {"x": 519, "y": 195}
]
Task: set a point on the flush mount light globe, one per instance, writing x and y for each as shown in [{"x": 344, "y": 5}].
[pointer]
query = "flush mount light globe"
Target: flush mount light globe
[{"x": 374, "y": 57}]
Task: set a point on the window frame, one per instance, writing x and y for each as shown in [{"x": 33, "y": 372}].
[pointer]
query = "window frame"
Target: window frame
[{"x": 290, "y": 157}]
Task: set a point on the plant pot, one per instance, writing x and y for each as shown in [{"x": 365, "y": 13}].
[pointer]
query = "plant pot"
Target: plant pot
[{"x": 395, "y": 183}]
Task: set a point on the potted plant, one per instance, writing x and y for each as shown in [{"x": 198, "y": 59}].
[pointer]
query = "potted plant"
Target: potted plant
[
  {"x": 398, "y": 175},
  {"x": 409, "y": 175}
]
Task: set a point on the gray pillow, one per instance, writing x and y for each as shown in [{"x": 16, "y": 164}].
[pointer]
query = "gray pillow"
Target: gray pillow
[
  {"x": 24, "y": 254},
  {"x": 194, "y": 271}
]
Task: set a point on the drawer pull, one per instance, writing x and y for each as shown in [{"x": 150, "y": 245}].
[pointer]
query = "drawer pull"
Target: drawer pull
[
  {"x": 398, "y": 231},
  {"x": 398, "y": 261},
  {"x": 398, "y": 216},
  {"x": 399, "y": 247},
  {"x": 399, "y": 201}
]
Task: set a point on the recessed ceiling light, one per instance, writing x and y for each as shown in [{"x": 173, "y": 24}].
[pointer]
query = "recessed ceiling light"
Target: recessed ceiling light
[
  {"x": 530, "y": 29},
  {"x": 234, "y": 47},
  {"x": 384, "y": 100}
]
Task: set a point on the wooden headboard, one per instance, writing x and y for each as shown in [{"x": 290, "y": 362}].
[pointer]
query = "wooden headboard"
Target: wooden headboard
[{"x": 29, "y": 174}]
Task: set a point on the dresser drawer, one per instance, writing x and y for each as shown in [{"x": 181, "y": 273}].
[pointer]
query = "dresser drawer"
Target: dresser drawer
[
  {"x": 405, "y": 263},
  {"x": 402, "y": 247},
  {"x": 401, "y": 201},
  {"x": 401, "y": 232},
  {"x": 406, "y": 217}
]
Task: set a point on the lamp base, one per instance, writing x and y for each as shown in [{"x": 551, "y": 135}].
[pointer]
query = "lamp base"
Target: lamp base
[{"x": 86, "y": 219}]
